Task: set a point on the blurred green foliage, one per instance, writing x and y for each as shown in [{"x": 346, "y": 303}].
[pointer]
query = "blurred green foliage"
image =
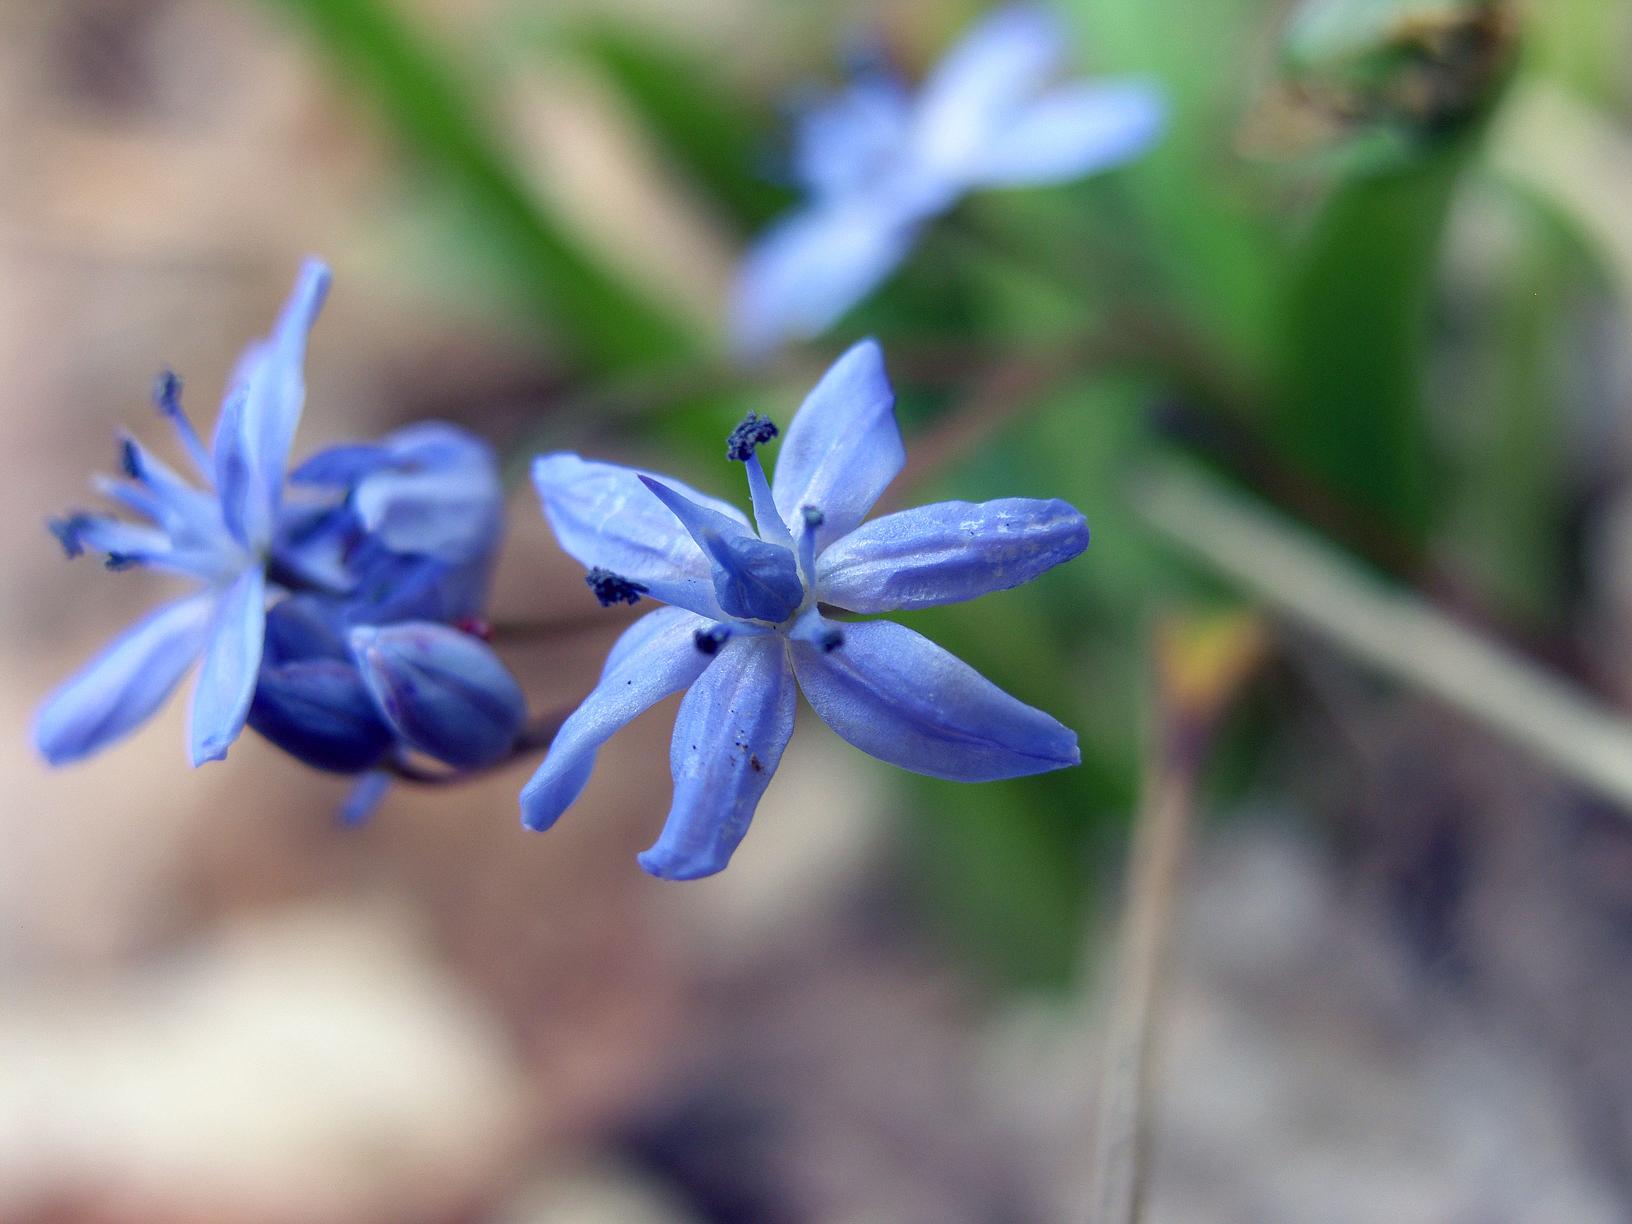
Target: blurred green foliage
[{"x": 1276, "y": 278}]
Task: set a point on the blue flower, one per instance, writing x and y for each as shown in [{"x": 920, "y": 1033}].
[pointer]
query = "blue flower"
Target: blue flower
[
  {"x": 878, "y": 162},
  {"x": 220, "y": 535},
  {"x": 746, "y": 625}
]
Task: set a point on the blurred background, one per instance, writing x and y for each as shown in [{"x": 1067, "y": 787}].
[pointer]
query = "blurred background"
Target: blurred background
[{"x": 1339, "y": 373}]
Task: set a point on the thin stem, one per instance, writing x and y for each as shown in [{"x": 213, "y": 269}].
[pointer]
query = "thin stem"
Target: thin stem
[
  {"x": 1200, "y": 663},
  {"x": 1391, "y": 629},
  {"x": 1120, "y": 1161},
  {"x": 519, "y": 633}
]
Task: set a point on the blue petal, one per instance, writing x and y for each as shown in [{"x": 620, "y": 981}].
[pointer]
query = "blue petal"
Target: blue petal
[
  {"x": 236, "y": 480},
  {"x": 449, "y": 516},
  {"x": 1070, "y": 132},
  {"x": 438, "y": 494},
  {"x": 842, "y": 144},
  {"x": 843, "y": 446},
  {"x": 262, "y": 410},
  {"x": 752, "y": 579},
  {"x": 728, "y": 741},
  {"x": 393, "y": 588},
  {"x": 315, "y": 545},
  {"x": 898, "y": 696},
  {"x": 120, "y": 688},
  {"x": 341, "y": 465},
  {"x": 305, "y": 627},
  {"x": 807, "y": 270},
  {"x": 320, "y": 712},
  {"x": 973, "y": 94},
  {"x": 231, "y": 661},
  {"x": 603, "y": 516},
  {"x": 947, "y": 552},
  {"x": 444, "y": 692},
  {"x": 656, "y": 656}
]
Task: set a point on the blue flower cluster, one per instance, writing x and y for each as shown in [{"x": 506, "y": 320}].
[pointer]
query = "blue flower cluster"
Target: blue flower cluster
[
  {"x": 327, "y": 601},
  {"x": 336, "y": 608}
]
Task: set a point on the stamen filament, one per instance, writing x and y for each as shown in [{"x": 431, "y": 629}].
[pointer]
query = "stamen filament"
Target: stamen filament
[
  {"x": 771, "y": 526},
  {"x": 807, "y": 543},
  {"x": 167, "y": 399}
]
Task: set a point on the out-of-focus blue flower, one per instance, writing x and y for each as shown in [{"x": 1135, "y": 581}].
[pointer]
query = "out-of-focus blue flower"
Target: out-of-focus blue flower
[
  {"x": 878, "y": 162},
  {"x": 221, "y": 536},
  {"x": 745, "y": 626}
]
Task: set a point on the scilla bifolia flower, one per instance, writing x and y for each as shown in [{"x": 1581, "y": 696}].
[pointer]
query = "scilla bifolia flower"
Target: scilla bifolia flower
[
  {"x": 878, "y": 161},
  {"x": 746, "y": 623},
  {"x": 328, "y": 600},
  {"x": 220, "y": 535}
]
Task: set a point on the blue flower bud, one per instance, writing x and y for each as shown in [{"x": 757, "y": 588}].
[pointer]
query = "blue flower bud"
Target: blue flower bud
[
  {"x": 444, "y": 692},
  {"x": 320, "y": 712}
]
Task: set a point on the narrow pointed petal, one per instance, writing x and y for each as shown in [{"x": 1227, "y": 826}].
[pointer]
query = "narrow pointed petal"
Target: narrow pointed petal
[
  {"x": 948, "y": 552},
  {"x": 728, "y": 740},
  {"x": 444, "y": 692},
  {"x": 607, "y": 519},
  {"x": 121, "y": 688},
  {"x": 899, "y": 697},
  {"x": 1070, "y": 132},
  {"x": 656, "y": 656},
  {"x": 1004, "y": 61},
  {"x": 319, "y": 711},
  {"x": 262, "y": 410},
  {"x": 752, "y": 579},
  {"x": 236, "y": 478},
  {"x": 231, "y": 661},
  {"x": 806, "y": 271},
  {"x": 843, "y": 446}
]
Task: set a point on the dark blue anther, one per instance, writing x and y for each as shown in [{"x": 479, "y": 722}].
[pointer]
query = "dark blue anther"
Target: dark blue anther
[
  {"x": 753, "y": 431},
  {"x": 711, "y": 639},
  {"x": 121, "y": 561},
  {"x": 167, "y": 392},
  {"x": 67, "y": 530},
  {"x": 130, "y": 459},
  {"x": 610, "y": 589},
  {"x": 831, "y": 640},
  {"x": 812, "y": 516}
]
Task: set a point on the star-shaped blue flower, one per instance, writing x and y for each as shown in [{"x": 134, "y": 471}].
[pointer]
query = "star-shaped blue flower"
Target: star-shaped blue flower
[
  {"x": 878, "y": 162},
  {"x": 220, "y": 535},
  {"x": 746, "y": 625}
]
